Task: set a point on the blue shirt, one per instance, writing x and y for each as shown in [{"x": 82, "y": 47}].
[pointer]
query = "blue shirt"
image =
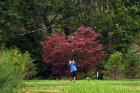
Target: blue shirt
[{"x": 72, "y": 67}]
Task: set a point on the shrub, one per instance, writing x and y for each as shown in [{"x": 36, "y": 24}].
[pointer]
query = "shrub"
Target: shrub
[
  {"x": 132, "y": 64},
  {"x": 10, "y": 78},
  {"x": 13, "y": 66},
  {"x": 22, "y": 60},
  {"x": 114, "y": 67}
]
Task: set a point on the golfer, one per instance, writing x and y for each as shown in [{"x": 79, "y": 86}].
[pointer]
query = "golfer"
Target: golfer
[{"x": 73, "y": 70}]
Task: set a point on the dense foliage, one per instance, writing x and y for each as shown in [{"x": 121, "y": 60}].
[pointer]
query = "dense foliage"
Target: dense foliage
[
  {"x": 22, "y": 61},
  {"x": 132, "y": 64},
  {"x": 14, "y": 67},
  {"x": 10, "y": 79},
  {"x": 26, "y": 23},
  {"x": 114, "y": 67}
]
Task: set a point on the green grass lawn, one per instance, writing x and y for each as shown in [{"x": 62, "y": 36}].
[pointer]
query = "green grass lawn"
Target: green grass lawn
[{"x": 82, "y": 86}]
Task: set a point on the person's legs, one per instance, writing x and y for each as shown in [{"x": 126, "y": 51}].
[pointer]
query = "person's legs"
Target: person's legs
[
  {"x": 71, "y": 76},
  {"x": 74, "y": 76}
]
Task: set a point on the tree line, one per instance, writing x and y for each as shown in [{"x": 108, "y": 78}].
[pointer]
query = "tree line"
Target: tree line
[{"x": 24, "y": 24}]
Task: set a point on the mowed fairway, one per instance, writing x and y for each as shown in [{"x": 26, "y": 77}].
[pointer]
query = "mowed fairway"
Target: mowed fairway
[{"x": 82, "y": 86}]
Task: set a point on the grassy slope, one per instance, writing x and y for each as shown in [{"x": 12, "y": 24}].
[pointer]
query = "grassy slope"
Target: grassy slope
[{"x": 82, "y": 86}]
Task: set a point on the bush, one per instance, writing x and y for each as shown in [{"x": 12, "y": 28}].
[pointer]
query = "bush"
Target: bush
[
  {"x": 13, "y": 68},
  {"x": 22, "y": 60},
  {"x": 114, "y": 67},
  {"x": 10, "y": 78},
  {"x": 132, "y": 64}
]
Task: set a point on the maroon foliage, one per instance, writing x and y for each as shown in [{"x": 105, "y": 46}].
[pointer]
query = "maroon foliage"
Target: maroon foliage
[{"x": 87, "y": 50}]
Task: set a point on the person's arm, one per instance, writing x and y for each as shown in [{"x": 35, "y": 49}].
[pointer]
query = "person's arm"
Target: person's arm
[
  {"x": 73, "y": 61},
  {"x": 69, "y": 62}
]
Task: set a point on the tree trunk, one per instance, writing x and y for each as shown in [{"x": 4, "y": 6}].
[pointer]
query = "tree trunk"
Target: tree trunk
[
  {"x": 66, "y": 31},
  {"x": 46, "y": 21}
]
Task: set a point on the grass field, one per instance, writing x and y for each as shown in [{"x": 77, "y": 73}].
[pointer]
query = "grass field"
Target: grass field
[{"x": 82, "y": 86}]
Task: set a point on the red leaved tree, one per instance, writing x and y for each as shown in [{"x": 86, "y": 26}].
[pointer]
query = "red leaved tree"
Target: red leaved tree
[{"x": 87, "y": 50}]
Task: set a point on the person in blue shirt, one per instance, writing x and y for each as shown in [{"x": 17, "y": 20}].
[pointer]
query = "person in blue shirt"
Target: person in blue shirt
[{"x": 73, "y": 70}]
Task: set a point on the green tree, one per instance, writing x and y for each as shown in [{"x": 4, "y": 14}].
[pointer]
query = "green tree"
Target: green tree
[
  {"x": 118, "y": 24},
  {"x": 114, "y": 67},
  {"x": 21, "y": 26},
  {"x": 132, "y": 64}
]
